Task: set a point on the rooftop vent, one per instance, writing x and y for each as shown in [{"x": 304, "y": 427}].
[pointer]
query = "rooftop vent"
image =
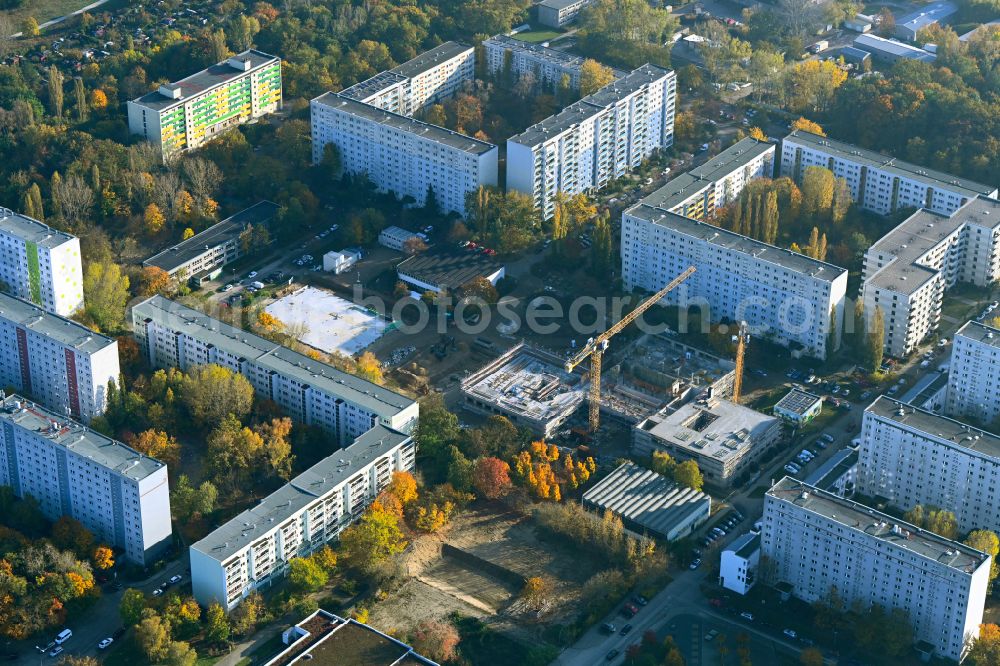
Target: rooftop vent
[
  {"x": 241, "y": 63},
  {"x": 171, "y": 90}
]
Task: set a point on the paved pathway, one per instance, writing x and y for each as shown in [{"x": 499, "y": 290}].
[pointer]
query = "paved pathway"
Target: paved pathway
[{"x": 60, "y": 19}]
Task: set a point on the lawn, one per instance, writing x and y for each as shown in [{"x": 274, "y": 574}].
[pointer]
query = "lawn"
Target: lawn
[
  {"x": 43, "y": 10},
  {"x": 538, "y": 35}
]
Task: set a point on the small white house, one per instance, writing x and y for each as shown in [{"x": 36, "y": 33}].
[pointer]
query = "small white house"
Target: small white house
[
  {"x": 395, "y": 238},
  {"x": 338, "y": 261},
  {"x": 738, "y": 565}
]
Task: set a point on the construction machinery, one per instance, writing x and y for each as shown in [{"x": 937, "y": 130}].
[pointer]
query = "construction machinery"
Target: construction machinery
[
  {"x": 595, "y": 347},
  {"x": 742, "y": 338}
]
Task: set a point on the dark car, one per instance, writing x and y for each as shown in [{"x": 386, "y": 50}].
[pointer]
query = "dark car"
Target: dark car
[
  {"x": 626, "y": 629},
  {"x": 611, "y": 655},
  {"x": 641, "y": 600},
  {"x": 119, "y": 632}
]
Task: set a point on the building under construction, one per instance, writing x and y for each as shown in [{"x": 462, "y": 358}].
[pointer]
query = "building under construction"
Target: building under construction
[
  {"x": 529, "y": 386},
  {"x": 661, "y": 371}
]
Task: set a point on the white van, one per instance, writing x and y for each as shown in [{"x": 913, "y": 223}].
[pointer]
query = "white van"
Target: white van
[{"x": 64, "y": 636}]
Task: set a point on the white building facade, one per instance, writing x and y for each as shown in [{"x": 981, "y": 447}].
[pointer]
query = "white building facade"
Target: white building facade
[
  {"x": 784, "y": 296},
  {"x": 401, "y": 154},
  {"x": 974, "y": 374},
  {"x": 547, "y": 66},
  {"x": 907, "y": 271},
  {"x": 595, "y": 140},
  {"x": 40, "y": 264},
  {"x": 61, "y": 364},
  {"x": 878, "y": 183},
  {"x": 814, "y": 541},
  {"x": 559, "y": 13},
  {"x": 174, "y": 336},
  {"x": 910, "y": 456},
  {"x": 253, "y": 550},
  {"x": 739, "y": 562},
  {"x": 118, "y": 494}
]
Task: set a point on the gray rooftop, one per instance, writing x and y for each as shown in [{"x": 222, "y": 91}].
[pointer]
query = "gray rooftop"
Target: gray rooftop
[
  {"x": 860, "y": 518},
  {"x": 714, "y": 428},
  {"x": 218, "y": 234},
  {"x": 369, "y": 87},
  {"x": 942, "y": 428},
  {"x": 851, "y": 53},
  {"x": 208, "y": 78},
  {"x": 978, "y": 332},
  {"x": 60, "y": 329},
  {"x": 798, "y": 401},
  {"x": 554, "y": 56},
  {"x": 405, "y": 124},
  {"x": 445, "y": 267},
  {"x": 852, "y": 153},
  {"x": 920, "y": 233},
  {"x": 826, "y": 475},
  {"x": 744, "y": 545},
  {"x": 590, "y": 106},
  {"x": 792, "y": 261},
  {"x": 683, "y": 187},
  {"x": 926, "y": 15},
  {"x": 879, "y": 45},
  {"x": 266, "y": 354},
  {"x": 430, "y": 59},
  {"x": 31, "y": 230},
  {"x": 298, "y": 493},
  {"x": 646, "y": 499},
  {"x": 77, "y": 438},
  {"x": 558, "y": 4}
]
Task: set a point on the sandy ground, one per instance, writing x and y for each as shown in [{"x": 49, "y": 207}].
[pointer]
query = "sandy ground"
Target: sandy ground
[{"x": 331, "y": 323}]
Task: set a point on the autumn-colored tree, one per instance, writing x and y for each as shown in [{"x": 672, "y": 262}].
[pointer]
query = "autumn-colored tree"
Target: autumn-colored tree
[
  {"x": 187, "y": 233},
  {"x": 70, "y": 534},
  {"x": 536, "y": 589},
  {"x": 403, "y": 487},
  {"x": 688, "y": 475},
  {"x": 491, "y": 477},
  {"x": 106, "y": 293},
  {"x": 758, "y": 134},
  {"x": 98, "y": 99},
  {"x": 812, "y": 84},
  {"x": 103, "y": 558},
  {"x": 211, "y": 391},
  {"x": 276, "y": 455},
  {"x": 153, "y": 280},
  {"x": 481, "y": 288},
  {"x": 811, "y": 657},
  {"x": 986, "y": 649},
  {"x": 372, "y": 541},
  {"x": 818, "y": 185},
  {"x": 432, "y": 517},
  {"x": 807, "y": 125},
  {"x": 269, "y": 326},
  {"x": 233, "y": 452},
  {"x": 437, "y": 640},
  {"x": 29, "y": 27},
  {"x": 594, "y": 76},
  {"x": 153, "y": 219},
  {"x": 307, "y": 575},
  {"x": 158, "y": 444},
  {"x": 662, "y": 462},
  {"x": 370, "y": 368},
  {"x": 217, "y": 627}
]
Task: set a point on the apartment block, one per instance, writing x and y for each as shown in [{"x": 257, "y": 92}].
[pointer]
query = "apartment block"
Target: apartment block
[
  {"x": 174, "y": 336},
  {"x": 40, "y": 264},
  {"x": 253, "y": 550},
  {"x": 812, "y": 541},
  {"x": 430, "y": 77},
  {"x": 117, "y": 493},
  {"x": 546, "y": 66},
  {"x": 559, "y": 13},
  {"x": 55, "y": 361},
  {"x": 595, "y": 140},
  {"x": 183, "y": 115},
  {"x": 974, "y": 374},
  {"x": 878, "y": 183},
  {"x": 702, "y": 191},
  {"x": 907, "y": 271},
  {"x": 203, "y": 255},
  {"x": 911, "y": 456},
  {"x": 400, "y": 154},
  {"x": 784, "y": 296}
]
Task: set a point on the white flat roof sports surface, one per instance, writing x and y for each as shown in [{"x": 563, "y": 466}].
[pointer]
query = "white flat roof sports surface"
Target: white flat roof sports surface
[{"x": 333, "y": 325}]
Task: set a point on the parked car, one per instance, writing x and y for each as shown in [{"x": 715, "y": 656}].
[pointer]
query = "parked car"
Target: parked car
[
  {"x": 790, "y": 633},
  {"x": 710, "y": 636},
  {"x": 175, "y": 579},
  {"x": 56, "y": 651},
  {"x": 609, "y": 628},
  {"x": 641, "y": 600},
  {"x": 791, "y": 470},
  {"x": 610, "y": 656},
  {"x": 694, "y": 565},
  {"x": 105, "y": 643},
  {"x": 746, "y": 615},
  {"x": 158, "y": 591},
  {"x": 626, "y": 629},
  {"x": 828, "y": 438}
]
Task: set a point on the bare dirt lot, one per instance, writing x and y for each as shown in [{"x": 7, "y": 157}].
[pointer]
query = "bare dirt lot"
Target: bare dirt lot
[{"x": 442, "y": 583}]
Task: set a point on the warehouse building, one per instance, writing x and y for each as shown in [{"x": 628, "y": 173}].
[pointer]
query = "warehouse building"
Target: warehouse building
[{"x": 443, "y": 269}]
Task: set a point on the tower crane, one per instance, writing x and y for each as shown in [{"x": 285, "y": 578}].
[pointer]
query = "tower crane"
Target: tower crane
[
  {"x": 742, "y": 338},
  {"x": 595, "y": 347}
]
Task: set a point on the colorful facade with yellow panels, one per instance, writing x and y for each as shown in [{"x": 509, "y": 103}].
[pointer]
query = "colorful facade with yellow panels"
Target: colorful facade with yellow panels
[{"x": 184, "y": 115}]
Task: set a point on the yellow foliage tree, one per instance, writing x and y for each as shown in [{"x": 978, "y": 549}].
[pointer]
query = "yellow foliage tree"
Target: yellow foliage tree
[
  {"x": 188, "y": 233},
  {"x": 103, "y": 558},
  {"x": 370, "y": 368},
  {"x": 158, "y": 444},
  {"x": 98, "y": 99},
  {"x": 403, "y": 486},
  {"x": 154, "y": 219},
  {"x": 757, "y": 133},
  {"x": 807, "y": 125}
]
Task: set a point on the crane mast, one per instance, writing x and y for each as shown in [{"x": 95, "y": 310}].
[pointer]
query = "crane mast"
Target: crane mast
[
  {"x": 595, "y": 347},
  {"x": 741, "y": 339}
]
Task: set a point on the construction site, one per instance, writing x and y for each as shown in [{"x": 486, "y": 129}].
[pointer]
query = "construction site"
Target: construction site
[{"x": 528, "y": 386}]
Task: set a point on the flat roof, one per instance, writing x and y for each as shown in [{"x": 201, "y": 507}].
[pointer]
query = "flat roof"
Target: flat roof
[
  {"x": 60, "y": 329},
  {"x": 713, "y": 428},
  {"x": 274, "y": 357},
  {"x": 892, "y": 47},
  {"x": 852, "y": 153},
  {"x": 792, "y": 261},
  {"x": 647, "y": 499},
  {"x": 373, "y": 86},
  {"x": 561, "y": 4},
  {"x": 447, "y": 267},
  {"x": 978, "y": 332},
  {"x": 926, "y": 15},
  {"x": 920, "y": 233},
  {"x": 859, "y": 54},
  {"x": 826, "y": 475},
  {"x": 862, "y": 519},
  {"x": 589, "y": 106},
  {"x": 529, "y": 382},
  {"x": 31, "y": 230},
  {"x": 744, "y": 545},
  {"x": 561, "y": 58},
  {"x": 291, "y": 498},
  {"x": 218, "y": 234},
  {"x": 403, "y": 123},
  {"x": 430, "y": 59},
  {"x": 798, "y": 401},
  {"x": 76, "y": 437},
  {"x": 208, "y": 78},
  {"x": 955, "y": 433}
]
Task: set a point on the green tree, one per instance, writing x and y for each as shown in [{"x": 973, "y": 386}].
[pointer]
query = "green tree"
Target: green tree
[
  {"x": 306, "y": 575},
  {"x": 601, "y": 252},
  {"x": 190, "y": 503},
  {"x": 661, "y": 462},
  {"x": 80, "y": 95},
  {"x": 875, "y": 344},
  {"x": 106, "y": 295},
  {"x": 688, "y": 475},
  {"x": 216, "y": 624},
  {"x": 152, "y": 635},
  {"x": 233, "y": 452},
  {"x": 210, "y": 392},
  {"x": 217, "y": 48},
  {"x": 987, "y": 542},
  {"x": 131, "y": 606},
  {"x": 55, "y": 92},
  {"x": 180, "y": 653},
  {"x": 626, "y": 32},
  {"x": 370, "y": 543}
]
